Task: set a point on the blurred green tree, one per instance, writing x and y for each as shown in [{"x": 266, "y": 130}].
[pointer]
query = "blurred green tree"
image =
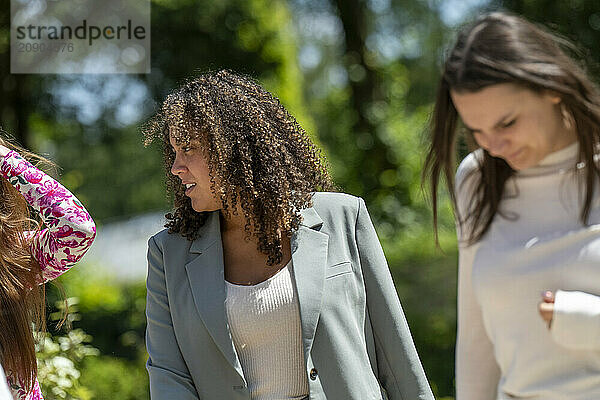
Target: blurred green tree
[
  {"x": 89, "y": 124},
  {"x": 359, "y": 75},
  {"x": 577, "y": 20},
  {"x": 372, "y": 68}
]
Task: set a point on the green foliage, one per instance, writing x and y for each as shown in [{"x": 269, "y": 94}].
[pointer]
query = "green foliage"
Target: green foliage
[
  {"x": 113, "y": 314},
  {"x": 111, "y": 158},
  {"x": 60, "y": 360},
  {"x": 577, "y": 20},
  {"x": 77, "y": 120},
  {"x": 426, "y": 282},
  {"x": 115, "y": 378},
  {"x": 268, "y": 30}
]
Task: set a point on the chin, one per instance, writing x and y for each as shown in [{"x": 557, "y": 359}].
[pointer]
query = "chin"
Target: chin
[
  {"x": 200, "y": 209},
  {"x": 519, "y": 166},
  {"x": 522, "y": 162},
  {"x": 203, "y": 207},
  {"x": 516, "y": 167}
]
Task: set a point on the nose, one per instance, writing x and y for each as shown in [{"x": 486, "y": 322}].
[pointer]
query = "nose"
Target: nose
[
  {"x": 178, "y": 167},
  {"x": 496, "y": 145}
]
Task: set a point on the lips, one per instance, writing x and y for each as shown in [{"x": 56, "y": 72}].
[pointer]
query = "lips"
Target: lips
[
  {"x": 515, "y": 154},
  {"x": 189, "y": 187}
]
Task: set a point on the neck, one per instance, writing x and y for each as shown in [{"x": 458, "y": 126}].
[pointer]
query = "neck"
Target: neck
[
  {"x": 570, "y": 137},
  {"x": 233, "y": 225}
]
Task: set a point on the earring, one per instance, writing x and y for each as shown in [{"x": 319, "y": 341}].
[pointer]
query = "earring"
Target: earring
[{"x": 566, "y": 116}]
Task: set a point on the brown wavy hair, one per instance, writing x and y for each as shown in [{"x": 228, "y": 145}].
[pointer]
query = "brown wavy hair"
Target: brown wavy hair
[
  {"x": 22, "y": 297},
  {"x": 258, "y": 156},
  {"x": 502, "y": 48}
]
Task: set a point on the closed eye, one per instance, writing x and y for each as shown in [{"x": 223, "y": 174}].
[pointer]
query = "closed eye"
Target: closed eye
[{"x": 509, "y": 123}]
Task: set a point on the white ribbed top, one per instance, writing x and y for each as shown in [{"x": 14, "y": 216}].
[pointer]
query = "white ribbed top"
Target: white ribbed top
[{"x": 264, "y": 320}]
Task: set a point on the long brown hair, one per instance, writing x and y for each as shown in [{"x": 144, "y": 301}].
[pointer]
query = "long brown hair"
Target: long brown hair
[
  {"x": 260, "y": 156},
  {"x": 503, "y": 48},
  {"x": 22, "y": 304}
]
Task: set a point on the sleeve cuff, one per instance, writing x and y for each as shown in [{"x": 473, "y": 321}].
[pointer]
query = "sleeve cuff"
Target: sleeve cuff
[{"x": 576, "y": 320}]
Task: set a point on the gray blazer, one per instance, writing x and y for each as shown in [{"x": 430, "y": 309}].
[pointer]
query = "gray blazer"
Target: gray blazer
[{"x": 356, "y": 341}]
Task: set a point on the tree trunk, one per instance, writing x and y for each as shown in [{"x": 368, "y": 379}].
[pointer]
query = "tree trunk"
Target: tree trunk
[{"x": 366, "y": 88}]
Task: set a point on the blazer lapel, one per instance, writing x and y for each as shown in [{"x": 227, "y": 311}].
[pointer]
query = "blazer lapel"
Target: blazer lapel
[
  {"x": 309, "y": 258},
  {"x": 207, "y": 281},
  {"x": 206, "y": 275}
]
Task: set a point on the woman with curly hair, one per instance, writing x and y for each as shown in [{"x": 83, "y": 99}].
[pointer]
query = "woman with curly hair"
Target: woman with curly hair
[
  {"x": 528, "y": 209},
  {"x": 31, "y": 256},
  {"x": 263, "y": 286}
]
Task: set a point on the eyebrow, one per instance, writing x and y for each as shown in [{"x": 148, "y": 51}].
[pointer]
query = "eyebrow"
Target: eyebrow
[{"x": 496, "y": 125}]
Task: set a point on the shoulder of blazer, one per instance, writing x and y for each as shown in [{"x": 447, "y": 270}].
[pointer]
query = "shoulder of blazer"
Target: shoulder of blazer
[
  {"x": 165, "y": 239},
  {"x": 330, "y": 206},
  {"x": 334, "y": 207}
]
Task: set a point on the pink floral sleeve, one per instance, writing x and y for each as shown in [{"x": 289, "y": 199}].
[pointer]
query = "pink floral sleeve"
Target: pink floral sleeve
[
  {"x": 69, "y": 229},
  {"x": 19, "y": 393}
]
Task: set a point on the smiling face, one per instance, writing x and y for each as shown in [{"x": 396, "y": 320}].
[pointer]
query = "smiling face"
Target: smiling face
[
  {"x": 514, "y": 123},
  {"x": 191, "y": 167}
]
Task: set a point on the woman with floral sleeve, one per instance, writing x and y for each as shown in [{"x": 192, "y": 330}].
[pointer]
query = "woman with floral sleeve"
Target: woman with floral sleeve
[{"x": 30, "y": 256}]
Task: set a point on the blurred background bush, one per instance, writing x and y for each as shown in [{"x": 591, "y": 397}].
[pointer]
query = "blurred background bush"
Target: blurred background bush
[{"x": 359, "y": 75}]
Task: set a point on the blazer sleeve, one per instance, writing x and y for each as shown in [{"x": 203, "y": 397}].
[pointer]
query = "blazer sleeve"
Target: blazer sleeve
[
  {"x": 399, "y": 367},
  {"x": 167, "y": 370}
]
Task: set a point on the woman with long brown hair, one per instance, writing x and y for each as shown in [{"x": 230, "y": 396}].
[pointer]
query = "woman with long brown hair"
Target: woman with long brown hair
[
  {"x": 527, "y": 209},
  {"x": 31, "y": 255}
]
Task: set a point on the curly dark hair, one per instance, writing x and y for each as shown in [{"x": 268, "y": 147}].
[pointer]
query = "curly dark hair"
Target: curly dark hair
[{"x": 258, "y": 156}]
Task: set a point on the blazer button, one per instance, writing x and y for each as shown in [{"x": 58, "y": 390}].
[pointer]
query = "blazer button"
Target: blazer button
[{"x": 313, "y": 374}]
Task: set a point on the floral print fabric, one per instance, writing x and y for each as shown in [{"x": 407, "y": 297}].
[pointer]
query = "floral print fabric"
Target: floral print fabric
[{"x": 69, "y": 229}]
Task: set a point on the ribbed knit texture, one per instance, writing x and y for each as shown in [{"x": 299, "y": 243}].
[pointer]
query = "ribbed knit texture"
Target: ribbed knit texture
[{"x": 264, "y": 320}]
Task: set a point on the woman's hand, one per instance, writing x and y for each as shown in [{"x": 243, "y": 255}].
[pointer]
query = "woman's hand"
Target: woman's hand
[
  {"x": 546, "y": 307},
  {"x": 3, "y": 150}
]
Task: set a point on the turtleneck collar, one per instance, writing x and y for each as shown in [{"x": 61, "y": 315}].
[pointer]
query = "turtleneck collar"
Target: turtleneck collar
[{"x": 560, "y": 160}]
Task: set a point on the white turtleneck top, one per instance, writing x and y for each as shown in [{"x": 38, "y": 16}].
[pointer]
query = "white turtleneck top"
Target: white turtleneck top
[
  {"x": 264, "y": 320},
  {"x": 504, "y": 348}
]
